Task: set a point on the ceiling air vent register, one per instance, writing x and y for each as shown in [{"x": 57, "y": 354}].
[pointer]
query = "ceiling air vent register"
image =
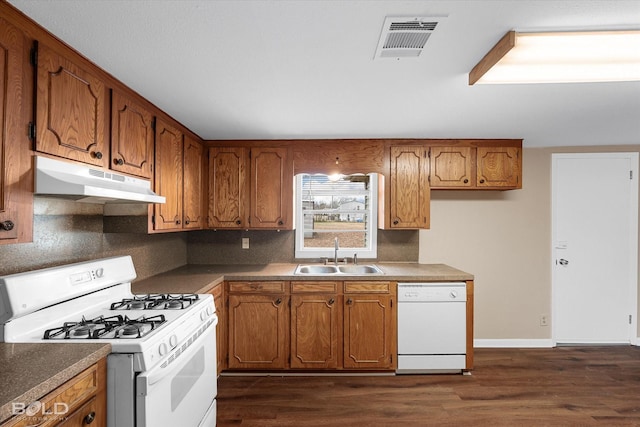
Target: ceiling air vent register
[{"x": 405, "y": 37}]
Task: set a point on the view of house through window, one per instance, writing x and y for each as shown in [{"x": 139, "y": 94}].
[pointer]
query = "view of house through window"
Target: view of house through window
[{"x": 336, "y": 206}]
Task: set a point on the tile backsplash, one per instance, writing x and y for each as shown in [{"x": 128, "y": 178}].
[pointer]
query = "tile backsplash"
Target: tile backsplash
[{"x": 67, "y": 232}]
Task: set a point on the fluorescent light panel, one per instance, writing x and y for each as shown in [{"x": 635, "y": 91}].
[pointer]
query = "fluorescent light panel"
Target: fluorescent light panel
[{"x": 561, "y": 57}]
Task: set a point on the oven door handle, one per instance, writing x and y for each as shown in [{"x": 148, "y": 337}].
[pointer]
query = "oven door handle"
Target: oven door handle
[{"x": 165, "y": 369}]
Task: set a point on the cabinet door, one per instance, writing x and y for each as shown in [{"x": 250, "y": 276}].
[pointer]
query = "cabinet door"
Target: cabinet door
[
  {"x": 451, "y": 167},
  {"x": 409, "y": 180},
  {"x": 314, "y": 331},
  {"x": 131, "y": 137},
  {"x": 271, "y": 188},
  {"x": 253, "y": 343},
  {"x": 192, "y": 188},
  {"x": 168, "y": 177},
  {"x": 368, "y": 331},
  {"x": 71, "y": 110},
  {"x": 228, "y": 187},
  {"x": 499, "y": 167},
  {"x": 16, "y": 200}
]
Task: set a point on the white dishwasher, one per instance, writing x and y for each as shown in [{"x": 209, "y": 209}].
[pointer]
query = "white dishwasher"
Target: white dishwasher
[{"x": 432, "y": 327}]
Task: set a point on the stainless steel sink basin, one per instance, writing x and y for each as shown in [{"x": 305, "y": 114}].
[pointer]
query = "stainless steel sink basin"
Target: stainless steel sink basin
[
  {"x": 338, "y": 269},
  {"x": 359, "y": 269},
  {"x": 316, "y": 269}
]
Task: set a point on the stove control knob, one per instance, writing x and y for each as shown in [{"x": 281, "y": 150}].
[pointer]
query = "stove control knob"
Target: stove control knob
[
  {"x": 100, "y": 272},
  {"x": 203, "y": 315},
  {"x": 173, "y": 341},
  {"x": 162, "y": 349}
]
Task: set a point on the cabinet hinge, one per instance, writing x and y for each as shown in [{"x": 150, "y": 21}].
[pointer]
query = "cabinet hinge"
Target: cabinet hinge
[
  {"x": 31, "y": 131},
  {"x": 630, "y": 317},
  {"x": 631, "y": 175},
  {"x": 153, "y": 124},
  {"x": 153, "y": 220},
  {"x": 33, "y": 54}
]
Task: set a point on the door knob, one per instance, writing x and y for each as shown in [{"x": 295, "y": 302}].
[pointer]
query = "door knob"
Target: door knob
[{"x": 563, "y": 261}]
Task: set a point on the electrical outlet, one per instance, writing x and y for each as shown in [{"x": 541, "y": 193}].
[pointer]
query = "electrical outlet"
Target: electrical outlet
[
  {"x": 544, "y": 320},
  {"x": 245, "y": 243}
]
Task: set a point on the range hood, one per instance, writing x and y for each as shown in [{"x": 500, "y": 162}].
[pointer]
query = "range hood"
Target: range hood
[{"x": 85, "y": 184}]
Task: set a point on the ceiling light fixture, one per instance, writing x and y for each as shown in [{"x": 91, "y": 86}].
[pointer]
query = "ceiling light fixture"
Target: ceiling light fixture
[{"x": 561, "y": 57}]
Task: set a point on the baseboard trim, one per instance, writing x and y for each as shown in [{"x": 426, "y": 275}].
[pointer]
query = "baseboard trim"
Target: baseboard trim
[{"x": 513, "y": 343}]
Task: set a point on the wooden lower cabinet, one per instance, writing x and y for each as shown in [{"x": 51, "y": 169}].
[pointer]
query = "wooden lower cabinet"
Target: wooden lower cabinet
[
  {"x": 221, "y": 327},
  {"x": 316, "y": 320},
  {"x": 369, "y": 326},
  {"x": 258, "y": 326},
  {"x": 307, "y": 325},
  {"x": 78, "y": 402}
]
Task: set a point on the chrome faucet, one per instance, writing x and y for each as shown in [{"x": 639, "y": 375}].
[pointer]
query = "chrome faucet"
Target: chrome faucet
[{"x": 335, "y": 251}]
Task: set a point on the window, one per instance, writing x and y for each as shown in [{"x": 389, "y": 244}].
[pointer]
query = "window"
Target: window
[{"x": 338, "y": 206}]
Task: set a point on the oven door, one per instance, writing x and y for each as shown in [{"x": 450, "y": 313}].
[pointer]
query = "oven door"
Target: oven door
[{"x": 182, "y": 393}]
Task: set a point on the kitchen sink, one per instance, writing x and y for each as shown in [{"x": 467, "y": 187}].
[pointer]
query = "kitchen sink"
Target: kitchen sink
[
  {"x": 316, "y": 269},
  {"x": 359, "y": 269},
  {"x": 338, "y": 269}
]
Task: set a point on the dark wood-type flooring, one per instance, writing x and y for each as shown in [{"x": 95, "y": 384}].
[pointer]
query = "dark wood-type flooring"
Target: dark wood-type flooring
[{"x": 564, "y": 386}]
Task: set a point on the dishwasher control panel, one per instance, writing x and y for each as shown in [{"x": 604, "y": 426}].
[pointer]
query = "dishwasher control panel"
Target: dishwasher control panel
[{"x": 432, "y": 292}]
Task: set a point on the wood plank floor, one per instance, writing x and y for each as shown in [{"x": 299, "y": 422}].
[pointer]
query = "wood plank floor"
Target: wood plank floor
[{"x": 564, "y": 386}]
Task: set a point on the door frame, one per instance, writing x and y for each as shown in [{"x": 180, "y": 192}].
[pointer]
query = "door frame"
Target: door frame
[{"x": 633, "y": 249}]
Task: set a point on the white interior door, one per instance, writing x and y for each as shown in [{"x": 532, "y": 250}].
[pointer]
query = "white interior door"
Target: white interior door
[{"x": 595, "y": 243}]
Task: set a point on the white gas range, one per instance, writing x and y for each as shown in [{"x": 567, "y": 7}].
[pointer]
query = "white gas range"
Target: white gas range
[{"x": 162, "y": 368}]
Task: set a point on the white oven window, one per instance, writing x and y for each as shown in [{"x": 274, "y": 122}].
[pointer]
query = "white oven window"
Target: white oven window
[{"x": 185, "y": 379}]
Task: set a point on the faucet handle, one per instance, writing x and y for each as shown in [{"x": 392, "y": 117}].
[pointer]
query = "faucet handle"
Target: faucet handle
[{"x": 355, "y": 258}]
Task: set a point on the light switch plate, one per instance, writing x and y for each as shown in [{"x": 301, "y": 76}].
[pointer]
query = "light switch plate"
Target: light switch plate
[{"x": 245, "y": 243}]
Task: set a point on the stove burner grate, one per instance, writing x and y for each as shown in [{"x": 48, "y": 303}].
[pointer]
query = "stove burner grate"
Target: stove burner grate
[
  {"x": 156, "y": 302},
  {"x": 112, "y": 327}
]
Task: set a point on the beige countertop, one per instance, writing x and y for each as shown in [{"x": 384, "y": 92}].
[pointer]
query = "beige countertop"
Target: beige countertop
[
  {"x": 201, "y": 278},
  {"x": 29, "y": 371}
]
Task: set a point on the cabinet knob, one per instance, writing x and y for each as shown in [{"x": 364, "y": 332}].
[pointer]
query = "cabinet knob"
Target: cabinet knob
[
  {"x": 482, "y": 181},
  {"x": 331, "y": 301},
  {"x": 395, "y": 222},
  {"x": 278, "y": 301},
  {"x": 89, "y": 418},
  {"x": 186, "y": 221},
  {"x": 280, "y": 222},
  {"x": 97, "y": 155},
  {"x": 466, "y": 181},
  {"x": 118, "y": 162},
  {"x": 238, "y": 222},
  {"x": 178, "y": 222},
  {"x": 349, "y": 301},
  {"x": 7, "y": 225}
]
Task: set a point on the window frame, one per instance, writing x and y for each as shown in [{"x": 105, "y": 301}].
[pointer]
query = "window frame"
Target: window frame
[{"x": 370, "y": 252}]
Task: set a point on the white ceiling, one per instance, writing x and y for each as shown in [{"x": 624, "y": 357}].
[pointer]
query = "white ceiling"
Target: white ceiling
[{"x": 304, "y": 69}]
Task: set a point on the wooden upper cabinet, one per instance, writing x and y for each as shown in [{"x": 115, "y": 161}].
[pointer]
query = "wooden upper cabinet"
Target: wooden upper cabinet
[
  {"x": 271, "y": 188},
  {"x": 409, "y": 182},
  {"x": 131, "y": 137},
  {"x": 344, "y": 156},
  {"x": 192, "y": 183},
  {"x": 16, "y": 179},
  {"x": 228, "y": 187},
  {"x": 71, "y": 110},
  {"x": 499, "y": 167},
  {"x": 451, "y": 166},
  {"x": 168, "y": 176}
]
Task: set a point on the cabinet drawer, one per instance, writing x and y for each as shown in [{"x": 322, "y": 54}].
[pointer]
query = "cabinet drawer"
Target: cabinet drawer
[
  {"x": 248, "y": 287},
  {"x": 72, "y": 393},
  {"x": 368, "y": 287},
  {"x": 302, "y": 287}
]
